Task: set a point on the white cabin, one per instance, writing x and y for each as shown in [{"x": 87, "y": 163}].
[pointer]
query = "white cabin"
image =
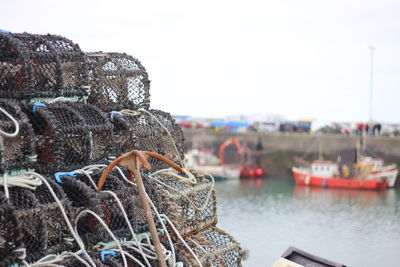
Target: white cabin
[{"x": 326, "y": 169}]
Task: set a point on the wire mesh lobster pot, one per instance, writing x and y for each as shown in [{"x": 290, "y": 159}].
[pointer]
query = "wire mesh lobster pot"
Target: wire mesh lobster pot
[
  {"x": 117, "y": 81},
  {"x": 69, "y": 137},
  {"x": 100, "y": 131},
  {"x": 35, "y": 66},
  {"x": 18, "y": 152},
  {"x": 10, "y": 233},
  {"x": 83, "y": 195},
  {"x": 213, "y": 247},
  {"x": 190, "y": 207},
  {"x": 42, "y": 225},
  {"x": 143, "y": 132}
]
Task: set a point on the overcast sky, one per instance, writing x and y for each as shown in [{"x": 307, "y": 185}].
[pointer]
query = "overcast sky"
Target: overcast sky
[{"x": 214, "y": 58}]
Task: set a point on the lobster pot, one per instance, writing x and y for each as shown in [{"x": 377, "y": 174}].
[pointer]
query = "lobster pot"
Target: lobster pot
[
  {"x": 143, "y": 132},
  {"x": 44, "y": 230},
  {"x": 10, "y": 233},
  {"x": 29, "y": 213},
  {"x": 190, "y": 207},
  {"x": 83, "y": 195},
  {"x": 36, "y": 66},
  {"x": 117, "y": 81},
  {"x": 213, "y": 247},
  {"x": 100, "y": 131},
  {"x": 58, "y": 235},
  {"x": 65, "y": 139},
  {"x": 19, "y": 151}
]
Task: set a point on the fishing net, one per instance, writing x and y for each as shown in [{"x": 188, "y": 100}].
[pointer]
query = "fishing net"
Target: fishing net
[
  {"x": 10, "y": 233},
  {"x": 42, "y": 225},
  {"x": 16, "y": 153},
  {"x": 81, "y": 191},
  {"x": 213, "y": 247},
  {"x": 71, "y": 135},
  {"x": 118, "y": 81},
  {"x": 144, "y": 131},
  {"x": 33, "y": 66},
  {"x": 190, "y": 205}
]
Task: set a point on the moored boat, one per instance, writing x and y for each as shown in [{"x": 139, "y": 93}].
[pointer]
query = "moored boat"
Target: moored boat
[{"x": 327, "y": 174}]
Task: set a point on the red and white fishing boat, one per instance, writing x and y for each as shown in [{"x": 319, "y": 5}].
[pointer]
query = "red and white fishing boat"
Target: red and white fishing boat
[{"x": 326, "y": 174}]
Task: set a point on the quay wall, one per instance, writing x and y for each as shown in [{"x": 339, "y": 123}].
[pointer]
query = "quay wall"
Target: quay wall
[{"x": 279, "y": 149}]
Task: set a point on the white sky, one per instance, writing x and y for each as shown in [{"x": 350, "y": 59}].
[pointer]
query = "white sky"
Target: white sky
[{"x": 215, "y": 58}]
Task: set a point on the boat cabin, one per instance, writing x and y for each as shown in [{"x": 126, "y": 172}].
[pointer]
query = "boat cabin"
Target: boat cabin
[
  {"x": 376, "y": 163},
  {"x": 325, "y": 169}
]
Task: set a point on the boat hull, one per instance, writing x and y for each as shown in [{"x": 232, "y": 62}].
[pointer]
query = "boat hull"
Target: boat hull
[{"x": 304, "y": 178}]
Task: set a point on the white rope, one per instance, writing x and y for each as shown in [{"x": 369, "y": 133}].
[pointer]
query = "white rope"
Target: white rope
[
  {"x": 52, "y": 259},
  {"x": 155, "y": 211},
  {"x": 130, "y": 112},
  {"x": 82, "y": 213},
  {"x": 25, "y": 180},
  {"x": 168, "y": 132},
  {"x": 129, "y": 224},
  {"x": 15, "y": 133},
  {"x": 59, "y": 99},
  {"x": 89, "y": 169},
  {"x": 64, "y": 214},
  {"x": 158, "y": 215},
  {"x": 191, "y": 178}
]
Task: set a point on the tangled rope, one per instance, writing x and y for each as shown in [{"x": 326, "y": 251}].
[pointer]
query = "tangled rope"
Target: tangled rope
[{"x": 25, "y": 180}]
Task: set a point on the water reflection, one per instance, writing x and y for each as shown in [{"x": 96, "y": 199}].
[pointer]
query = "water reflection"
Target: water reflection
[{"x": 358, "y": 228}]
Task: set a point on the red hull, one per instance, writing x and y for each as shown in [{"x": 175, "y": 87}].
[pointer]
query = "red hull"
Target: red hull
[{"x": 302, "y": 178}]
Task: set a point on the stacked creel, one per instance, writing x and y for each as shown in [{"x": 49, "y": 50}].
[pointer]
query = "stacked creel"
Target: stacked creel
[
  {"x": 71, "y": 135},
  {"x": 120, "y": 86},
  {"x": 17, "y": 149},
  {"x": 75, "y": 111},
  {"x": 39, "y": 219},
  {"x": 143, "y": 131},
  {"x": 41, "y": 66},
  {"x": 118, "y": 81},
  {"x": 189, "y": 200},
  {"x": 83, "y": 193}
]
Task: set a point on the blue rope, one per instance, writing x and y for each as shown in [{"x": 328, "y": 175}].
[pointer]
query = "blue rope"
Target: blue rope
[
  {"x": 107, "y": 252},
  {"x": 58, "y": 174},
  {"x": 112, "y": 113},
  {"x": 36, "y": 105}
]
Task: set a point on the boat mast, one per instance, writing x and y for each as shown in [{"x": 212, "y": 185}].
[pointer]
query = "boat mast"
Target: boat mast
[
  {"x": 371, "y": 75},
  {"x": 320, "y": 157}
]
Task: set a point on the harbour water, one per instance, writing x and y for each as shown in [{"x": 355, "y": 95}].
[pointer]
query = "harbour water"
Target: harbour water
[{"x": 356, "y": 228}]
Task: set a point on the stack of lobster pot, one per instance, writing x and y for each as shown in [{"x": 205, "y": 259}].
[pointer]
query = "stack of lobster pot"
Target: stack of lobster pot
[
  {"x": 40, "y": 136},
  {"x": 65, "y": 115},
  {"x": 120, "y": 86}
]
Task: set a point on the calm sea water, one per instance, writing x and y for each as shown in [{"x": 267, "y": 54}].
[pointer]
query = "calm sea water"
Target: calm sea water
[{"x": 356, "y": 228}]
